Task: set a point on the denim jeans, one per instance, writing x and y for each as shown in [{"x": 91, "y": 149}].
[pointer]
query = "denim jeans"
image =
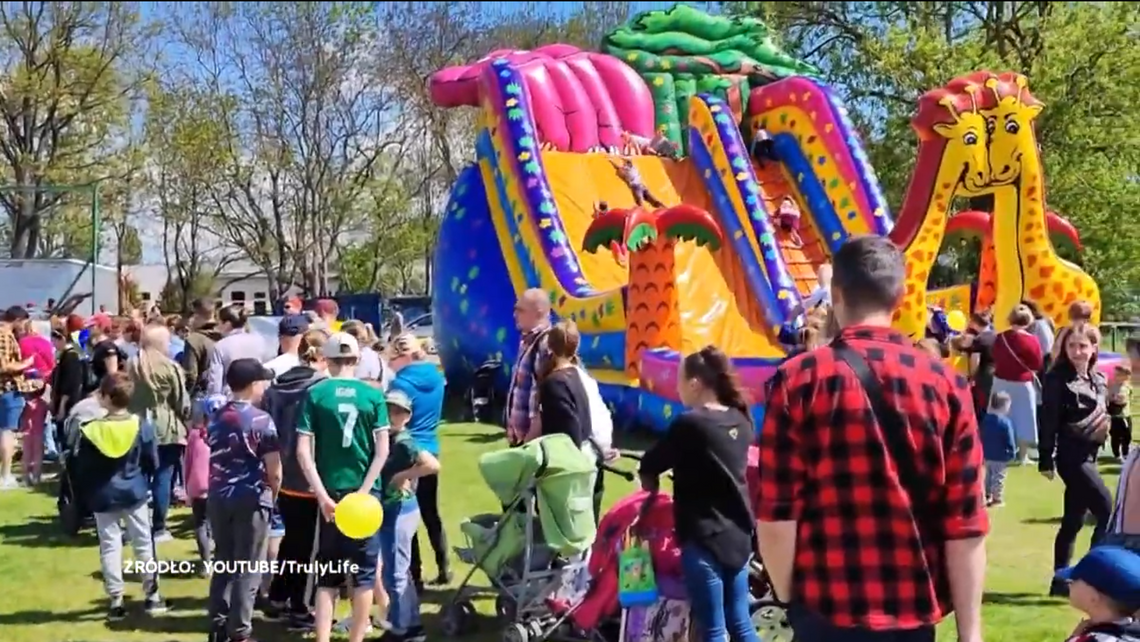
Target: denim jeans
[
  {"x": 169, "y": 458},
  {"x": 718, "y": 597},
  {"x": 396, "y": 535}
]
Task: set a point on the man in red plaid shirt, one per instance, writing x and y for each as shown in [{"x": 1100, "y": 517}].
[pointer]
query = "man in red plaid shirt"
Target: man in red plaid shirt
[{"x": 854, "y": 551}]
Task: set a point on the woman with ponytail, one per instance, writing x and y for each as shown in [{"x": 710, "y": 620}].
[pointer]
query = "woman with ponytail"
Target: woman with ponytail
[
  {"x": 160, "y": 396},
  {"x": 563, "y": 405},
  {"x": 707, "y": 450}
]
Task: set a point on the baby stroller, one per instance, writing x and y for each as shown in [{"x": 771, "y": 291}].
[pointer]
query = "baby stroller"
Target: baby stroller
[
  {"x": 482, "y": 399},
  {"x": 73, "y": 515},
  {"x": 532, "y": 552},
  {"x": 649, "y": 516}
]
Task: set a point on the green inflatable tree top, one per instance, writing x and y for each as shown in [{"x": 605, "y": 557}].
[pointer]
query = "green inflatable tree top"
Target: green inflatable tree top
[{"x": 684, "y": 51}]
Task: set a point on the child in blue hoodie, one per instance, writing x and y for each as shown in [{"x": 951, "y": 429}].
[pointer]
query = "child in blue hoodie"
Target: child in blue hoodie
[
  {"x": 424, "y": 385},
  {"x": 999, "y": 447},
  {"x": 116, "y": 455}
]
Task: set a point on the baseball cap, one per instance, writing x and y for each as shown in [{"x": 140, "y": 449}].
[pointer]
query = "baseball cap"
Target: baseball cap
[
  {"x": 101, "y": 321},
  {"x": 405, "y": 345},
  {"x": 293, "y": 325},
  {"x": 1113, "y": 571},
  {"x": 243, "y": 373},
  {"x": 341, "y": 345},
  {"x": 399, "y": 399}
]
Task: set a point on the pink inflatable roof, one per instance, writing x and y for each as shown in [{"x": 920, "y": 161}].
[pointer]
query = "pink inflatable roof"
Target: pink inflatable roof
[{"x": 581, "y": 100}]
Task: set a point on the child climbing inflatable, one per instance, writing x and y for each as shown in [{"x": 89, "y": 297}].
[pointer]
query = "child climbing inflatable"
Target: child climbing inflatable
[
  {"x": 632, "y": 178},
  {"x": 659, "y": 145},
  {"x": 617, "y": 248}
]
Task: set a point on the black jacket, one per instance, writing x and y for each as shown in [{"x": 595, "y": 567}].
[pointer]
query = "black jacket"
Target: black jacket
[
  {"x": 1069, "y": 402},
  {"x": 282, "y": 401},
  {"x": 67, "y": 381}
]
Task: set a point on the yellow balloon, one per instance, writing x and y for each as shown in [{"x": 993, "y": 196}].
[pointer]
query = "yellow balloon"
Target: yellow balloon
[
  {"x": 358, "y": 515},
  {"x": 956, "y": 319}
]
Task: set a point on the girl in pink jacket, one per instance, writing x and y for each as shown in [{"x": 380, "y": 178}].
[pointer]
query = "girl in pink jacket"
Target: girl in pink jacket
[{"x": 197, "y": 469}]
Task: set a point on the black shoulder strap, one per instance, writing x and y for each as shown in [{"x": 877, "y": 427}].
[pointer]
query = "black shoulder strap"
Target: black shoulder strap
[{"x": 891, "y": 424}]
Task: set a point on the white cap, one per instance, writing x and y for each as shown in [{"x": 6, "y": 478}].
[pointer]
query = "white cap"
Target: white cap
[{"x": 342, "y": 345}]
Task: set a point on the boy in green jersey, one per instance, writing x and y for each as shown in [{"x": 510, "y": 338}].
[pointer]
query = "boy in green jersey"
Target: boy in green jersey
[{"x": 342, "y": 443}]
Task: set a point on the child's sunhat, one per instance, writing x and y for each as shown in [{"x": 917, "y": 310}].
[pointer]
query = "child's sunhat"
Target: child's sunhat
[
  {"x": 399, "y": 399},
  {"x": 1113, "y": 571}
]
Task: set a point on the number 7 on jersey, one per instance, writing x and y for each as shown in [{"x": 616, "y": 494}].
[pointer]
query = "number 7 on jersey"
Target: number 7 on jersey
[{"x": 348, "y": 413}]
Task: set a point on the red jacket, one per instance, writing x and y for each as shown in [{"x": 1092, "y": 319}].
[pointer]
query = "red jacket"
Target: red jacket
[{"x": 1017, "y": 356}]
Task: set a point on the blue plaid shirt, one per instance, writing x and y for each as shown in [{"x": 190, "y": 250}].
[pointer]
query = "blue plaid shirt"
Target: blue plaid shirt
[{"x": 522, "y": 398}]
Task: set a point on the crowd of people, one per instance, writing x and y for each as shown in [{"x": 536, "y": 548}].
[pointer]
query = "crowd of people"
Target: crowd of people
[
  {"x": 878, "y": 463},
  {"x": 260, "y": 443}
]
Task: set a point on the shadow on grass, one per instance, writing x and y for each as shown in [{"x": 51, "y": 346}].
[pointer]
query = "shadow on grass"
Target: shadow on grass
[
  {"x": 1020, "y": 599},
  {"x": 1054, "y": 521},
  {"x": 186, "y": 615},
  {"x": 497, "y": 435},
  {"x": 1113, "y": 468},
  {"x": 44, "y": 532},
  {"x": 476, "y": 622}
]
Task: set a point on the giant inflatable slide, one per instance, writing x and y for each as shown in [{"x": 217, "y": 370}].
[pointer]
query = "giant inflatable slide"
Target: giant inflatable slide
[{"x": 549, "y": 205}]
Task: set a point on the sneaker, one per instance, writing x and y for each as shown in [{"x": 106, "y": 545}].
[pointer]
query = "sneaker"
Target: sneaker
[
  {"x": 415, "y": 634},
  {"x": 300, "y": 622},
  {"x": 116, "y": 611},
  {"x": 997, "y": 503},
  {"x": 9, "y": 483},
  {"x": 162, "y": 536},
  {"x": 271, "y": 611},
  {"x": 443, "y": 579},
  {"x": 156, "y": 606},
  {"x": 346, "y": 624}
]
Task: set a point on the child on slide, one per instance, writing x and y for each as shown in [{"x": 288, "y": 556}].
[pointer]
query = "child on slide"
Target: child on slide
[
  {"x": 763, "y": 148},
  {"x": 632, "y": 178},
  {"x": 788, "y": 218},
  {"x": 659, "y": 145}
]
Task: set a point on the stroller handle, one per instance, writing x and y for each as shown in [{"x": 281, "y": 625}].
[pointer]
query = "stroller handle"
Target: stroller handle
[{"x": 624, "y": 474}]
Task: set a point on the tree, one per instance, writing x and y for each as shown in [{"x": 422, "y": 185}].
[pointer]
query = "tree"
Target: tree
[
  {"x": 188, "y": 155},
  {"x": 66, "y": 84},
  {"x": 314, "y": 129},
  {"x": 1080, "y": 58},
  {"x": 177, "y": 295}
]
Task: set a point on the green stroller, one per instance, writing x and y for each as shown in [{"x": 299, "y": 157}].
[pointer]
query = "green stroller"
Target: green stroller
[{"x": 535, "y": 550}]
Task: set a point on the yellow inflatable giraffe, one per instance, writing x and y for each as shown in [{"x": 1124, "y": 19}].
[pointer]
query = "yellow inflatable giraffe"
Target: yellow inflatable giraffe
[
  {"x": 1027, "y": 264},
  {"x": 952, "y": 160}
]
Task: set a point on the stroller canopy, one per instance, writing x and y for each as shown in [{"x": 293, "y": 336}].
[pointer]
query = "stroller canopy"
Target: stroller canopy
[{"x": 562, "y": 477}]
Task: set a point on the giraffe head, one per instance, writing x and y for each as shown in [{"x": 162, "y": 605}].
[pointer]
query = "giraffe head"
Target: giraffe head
[
  {"x": 1009, "y": 124},
  {"x": 955, "y": 116}
]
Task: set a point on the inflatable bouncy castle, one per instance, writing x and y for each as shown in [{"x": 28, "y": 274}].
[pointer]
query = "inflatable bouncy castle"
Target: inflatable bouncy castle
[{"x": 682, "y": 187}]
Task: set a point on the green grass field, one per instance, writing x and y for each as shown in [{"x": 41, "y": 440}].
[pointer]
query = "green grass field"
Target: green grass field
[{"x": 51, "y": 591}]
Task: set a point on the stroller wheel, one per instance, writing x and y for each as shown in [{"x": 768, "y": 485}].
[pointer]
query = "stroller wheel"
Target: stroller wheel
[
  {"x": 458, "y": 618},
  {"x": 505, "y": 608},
  {"x": 516, "y": 633},
  {"x": 69, "y": 519}
]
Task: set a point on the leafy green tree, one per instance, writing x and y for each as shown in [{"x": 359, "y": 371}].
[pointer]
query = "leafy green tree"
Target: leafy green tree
[
  {"x": 1081, "y": 61},
  {"x": 66, "y": 83},
  {"x": 182, "y": 287}
]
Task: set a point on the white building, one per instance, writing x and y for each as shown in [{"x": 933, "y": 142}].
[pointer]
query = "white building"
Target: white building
[
  {"x": 33, "y": 282},
  {"x": 237, "y": 283}
]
